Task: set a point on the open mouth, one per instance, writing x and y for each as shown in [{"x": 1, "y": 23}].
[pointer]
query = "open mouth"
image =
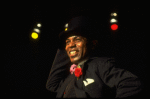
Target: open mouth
[{"x": 73, "y": 53}]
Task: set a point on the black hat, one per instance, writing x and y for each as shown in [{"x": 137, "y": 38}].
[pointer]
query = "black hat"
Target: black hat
[{"x": 81, "y": 25}]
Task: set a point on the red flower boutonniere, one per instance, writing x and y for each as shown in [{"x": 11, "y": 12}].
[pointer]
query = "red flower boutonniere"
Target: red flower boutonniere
[{"x": 78, "y": 72}]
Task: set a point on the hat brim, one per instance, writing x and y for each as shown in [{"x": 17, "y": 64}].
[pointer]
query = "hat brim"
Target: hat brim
[{"x": 65, "y": 34}]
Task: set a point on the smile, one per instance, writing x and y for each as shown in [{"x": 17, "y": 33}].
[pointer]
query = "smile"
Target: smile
[{"x": 73, "y": 53}]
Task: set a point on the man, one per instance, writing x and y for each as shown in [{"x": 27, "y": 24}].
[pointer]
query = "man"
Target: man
[{"x": 75, "y": 74}]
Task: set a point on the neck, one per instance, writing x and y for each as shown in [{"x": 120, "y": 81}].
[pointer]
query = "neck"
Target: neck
[{"x": 82, "y": 61}]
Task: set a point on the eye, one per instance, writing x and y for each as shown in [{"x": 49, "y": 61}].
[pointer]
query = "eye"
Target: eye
[
  {"x": 67, "y": 42},
  {"x": 78, "y": 39}
]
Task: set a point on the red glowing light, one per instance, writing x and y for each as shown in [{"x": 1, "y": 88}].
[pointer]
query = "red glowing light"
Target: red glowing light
[{"x": 114, "y": 26}]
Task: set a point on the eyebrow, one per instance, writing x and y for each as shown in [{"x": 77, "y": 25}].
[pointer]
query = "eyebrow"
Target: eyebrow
[{"x": 74, "y": 37}]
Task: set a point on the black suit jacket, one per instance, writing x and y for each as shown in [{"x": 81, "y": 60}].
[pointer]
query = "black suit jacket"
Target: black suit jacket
[{"x": 109, "y": 81}]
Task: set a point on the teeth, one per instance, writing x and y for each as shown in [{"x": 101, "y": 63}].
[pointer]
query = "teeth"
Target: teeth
[{"x": 72, "y": 52}]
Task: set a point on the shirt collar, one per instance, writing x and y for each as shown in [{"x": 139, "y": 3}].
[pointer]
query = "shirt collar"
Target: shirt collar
[{"x": 83, "y": 61}]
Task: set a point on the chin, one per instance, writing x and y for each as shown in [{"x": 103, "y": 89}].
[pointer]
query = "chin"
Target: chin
[{"x": 76, "y": 60}]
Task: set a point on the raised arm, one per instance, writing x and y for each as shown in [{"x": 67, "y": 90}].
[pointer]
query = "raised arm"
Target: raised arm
[{"x": 58, "y": 71}]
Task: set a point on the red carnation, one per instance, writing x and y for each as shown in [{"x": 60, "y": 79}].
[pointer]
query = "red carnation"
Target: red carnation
[{"x": 78, "y": 72}]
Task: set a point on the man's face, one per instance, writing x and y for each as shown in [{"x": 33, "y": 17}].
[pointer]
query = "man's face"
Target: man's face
[{"x": 76, "y": 48}]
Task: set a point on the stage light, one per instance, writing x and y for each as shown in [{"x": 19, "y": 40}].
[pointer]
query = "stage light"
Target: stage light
[
  {"x": 34, "y": 35},
  {"x": 114, "y": 14},
  {"x": 114, "y": 26},
  {"x": 66, "y": 29},
  {"x": 66, "y": 25},
  {"x": 113, "y": 21},
  {"x": 39, "y": 25},
  {"x": 36, "y": 30}
]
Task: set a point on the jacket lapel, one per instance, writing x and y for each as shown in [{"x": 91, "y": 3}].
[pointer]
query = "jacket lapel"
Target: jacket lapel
[
  {"x": 81, "y": 93},
  {"x": 61, "y": 91},
  {"x": 79, "y": 83}
]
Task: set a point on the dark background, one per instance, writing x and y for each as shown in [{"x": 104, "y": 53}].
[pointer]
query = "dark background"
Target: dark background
[{"x": 28, "y": 62}]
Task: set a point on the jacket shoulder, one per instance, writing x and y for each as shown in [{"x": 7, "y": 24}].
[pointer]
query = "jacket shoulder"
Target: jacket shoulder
[
  {"x": 102, "y": 64},
  {"x": 101, "y": 59}
]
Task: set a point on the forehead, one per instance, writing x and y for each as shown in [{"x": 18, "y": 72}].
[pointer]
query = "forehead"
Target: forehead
[{"x": 74, "y": 36}]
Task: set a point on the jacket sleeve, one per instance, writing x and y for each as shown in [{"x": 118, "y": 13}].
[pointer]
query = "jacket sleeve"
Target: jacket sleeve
[
  {"x": 124, "y": 82},
  {"x": 58, "y": 71}
]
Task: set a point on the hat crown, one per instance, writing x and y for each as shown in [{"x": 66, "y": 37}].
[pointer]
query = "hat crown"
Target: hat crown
[
  {"x": 83, "y": 22},
  {"x": 81, "y": 25}
]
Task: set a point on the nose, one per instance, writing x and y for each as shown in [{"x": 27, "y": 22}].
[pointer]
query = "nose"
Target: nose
[{"x": 72, "y": 44}]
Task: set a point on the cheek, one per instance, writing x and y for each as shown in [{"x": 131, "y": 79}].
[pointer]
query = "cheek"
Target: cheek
[
  {"x": 66, "y": 49},
  {"x": 79, "y": 46},
  {"x": 82, "y": 48}
]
